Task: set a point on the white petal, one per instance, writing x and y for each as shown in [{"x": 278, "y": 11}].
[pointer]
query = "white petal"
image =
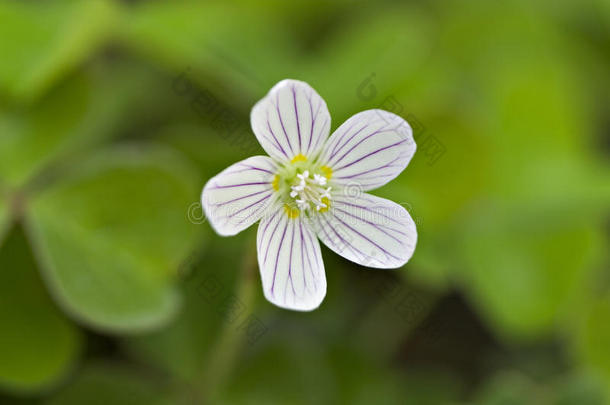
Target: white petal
[
  {"x": 290, "y": 262},
  {"x": 369, "y": 149},
  {"x": 368, "y": 230},
  {"x": 238, "y": 196},
  {"x": 291, "y": 119}
]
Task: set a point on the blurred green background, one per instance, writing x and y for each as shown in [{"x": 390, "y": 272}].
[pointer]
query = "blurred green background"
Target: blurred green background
[{"x": 113, "y": 290}]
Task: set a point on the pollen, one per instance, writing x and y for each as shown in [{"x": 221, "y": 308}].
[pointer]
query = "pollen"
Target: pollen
[
  {"x": 298, "y": 158},
  {"x": 291, "y": 212},
  {"x": 276, "y": 182},
  {"x": 326, "y": 202},
  {"x": 328, "y": 172}
]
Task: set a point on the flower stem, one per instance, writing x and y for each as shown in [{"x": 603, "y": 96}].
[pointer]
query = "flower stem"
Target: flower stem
[{"x": 219, "y": 363}]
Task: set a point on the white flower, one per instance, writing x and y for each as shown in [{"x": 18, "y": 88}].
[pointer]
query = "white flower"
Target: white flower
[{"x": 312, "y": 186}]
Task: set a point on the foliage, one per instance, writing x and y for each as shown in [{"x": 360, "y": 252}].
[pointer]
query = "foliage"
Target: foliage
[{"x": 114, "y": 114}]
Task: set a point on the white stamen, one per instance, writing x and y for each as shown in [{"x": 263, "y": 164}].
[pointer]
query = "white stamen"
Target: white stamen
[
  {"x": 321, "y": 180},
  {"x": 309, "y": 191},
  {"x": 326, "y": 193}
]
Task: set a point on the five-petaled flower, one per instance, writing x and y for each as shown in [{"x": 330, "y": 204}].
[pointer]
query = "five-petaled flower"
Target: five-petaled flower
[{"x": 312, "y": 186}]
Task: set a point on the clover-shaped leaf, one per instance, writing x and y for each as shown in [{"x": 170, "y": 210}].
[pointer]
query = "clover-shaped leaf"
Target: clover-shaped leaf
[
  {"x": 194, "y": 35},
  {"x": 520, "y": 274},
  {"x": 592, "y": 337},
  {"x": 4, "y": 216},
  {"x": 397, "y": 43},
  {"x": 182, "y": 347},
  {"x": 76, "y": 115},
  {"x": 44, "y": 41},
  {"x": 38, "y": 344},
  {"x": 111, "y": 235},
  {"x": 106, "y": 383}
]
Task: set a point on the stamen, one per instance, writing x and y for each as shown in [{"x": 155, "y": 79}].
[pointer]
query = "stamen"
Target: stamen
[
  {"x": 326, "y": 193},
  {"x": 276, "y": 182},
  {"x": 298, "y": 158},
  {"x": 290, "y": 211},
  {"x": 321, "y": 180},
  {"x": 310, "y": 193},
  {"x": 328, "y": 172}
]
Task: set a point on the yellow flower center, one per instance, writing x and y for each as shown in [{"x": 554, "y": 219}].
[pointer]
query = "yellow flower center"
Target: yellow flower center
[{"x": 303, "y": 186}]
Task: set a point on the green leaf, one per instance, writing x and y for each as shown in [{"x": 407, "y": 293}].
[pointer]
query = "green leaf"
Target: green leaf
[
  {"x": 511, "y": 388},
  {"x": 80, "y": 112},
  {"x": 195, "y": 36},
  {"x": 181, "y": 348},
  {"x": 101, "y": 384},
  {"x": 514, "y": 208},
  {"x": 4, "y": 216},
  {"x": 195, "y": 141},
  {"x": 110, "y": 237},
  {"x": 45, "y": 41},
  {"x": 527, "y": 270},
  {"x": 38, "y": 345},
  {"x": 368, "y": 60},
  {"x": 592, "y": 337},
  {"x": 287, "y": 371},
  {"x": 435, "y": 188},
  {"x": 581, "y": 389},
  {"x": 514, "y": 387}
]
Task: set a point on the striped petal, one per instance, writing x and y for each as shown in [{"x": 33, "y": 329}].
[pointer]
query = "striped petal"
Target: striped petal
[
  {"x": 238, "y": 196},
  {"x": 369, "y": 149},
  {"x": 290, "y": 262},
  {"x": 368, "y": 230},
  {"x": 291, "y": 119}
]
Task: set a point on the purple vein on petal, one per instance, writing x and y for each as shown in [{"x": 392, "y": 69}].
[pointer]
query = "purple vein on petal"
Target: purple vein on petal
[
  {"x": 248, "y": 168},
  {"x": 374, "y": 225},
  {"x": 341, "y": 201},
  {"x": 242, "y": 166},
  {"x": 277, "y": 141},
  {"x": 355, "y": 146},
  {"x": 380, "y": 130},
  {"x": 220, "y": 204},
  {"x": 353, "y": 248},
  {"x": 388, "y": 165},
  {"x": 313, "y": 121},
  {"x": 277, "y": 257},
  {"x": 216, "y": 186},
  {"x": 269, "y": 222},
  {"x": 290, "y": 263},
  {"x": 367, "y": 239},
  {"x": 306, "y": 254},
  {"x": 324, "y": 128},
  {"x": 271, "y": 237},
  {"x": 302, "y": 254},
  {"x": 371, "y": 154},
  {"x": 279, "y": 115},
  {"x": 233, "y": 214},
  {"x": 296, "y": 114},
  {"x": 312, "y": 242},
  {"x": 273, "y": 143},
  {"x": 256, "y": 212},
  {"x": 340, "y": 139}
]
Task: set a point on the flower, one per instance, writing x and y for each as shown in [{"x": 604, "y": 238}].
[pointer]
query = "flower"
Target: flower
[{"x": 312, "y": 186}]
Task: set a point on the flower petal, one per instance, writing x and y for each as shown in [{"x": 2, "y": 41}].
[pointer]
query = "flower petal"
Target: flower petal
[
  {"x": 238, "y": 196},
  {"x": 291, "y": 119},
  {"x": 368, "y": 230},
  {"x": 369, "y": 149},
  {"x": 290, "y": 262}
]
